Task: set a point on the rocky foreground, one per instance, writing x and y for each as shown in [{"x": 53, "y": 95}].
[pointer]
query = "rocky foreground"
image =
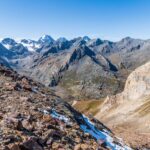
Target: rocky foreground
[{"x": 34, "y": 118}]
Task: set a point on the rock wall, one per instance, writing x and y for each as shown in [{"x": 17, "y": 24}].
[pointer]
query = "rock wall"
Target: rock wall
[{"x": 138, "y": 83}]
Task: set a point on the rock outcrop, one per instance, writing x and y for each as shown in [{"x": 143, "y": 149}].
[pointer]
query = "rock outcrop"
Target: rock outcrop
[
  {"x": 138, "y": 84},
  {"x": 131, "y": 108}
]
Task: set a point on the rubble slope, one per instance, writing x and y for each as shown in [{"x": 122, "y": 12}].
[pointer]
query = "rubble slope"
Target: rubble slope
[{"x": 33, "y": 118}]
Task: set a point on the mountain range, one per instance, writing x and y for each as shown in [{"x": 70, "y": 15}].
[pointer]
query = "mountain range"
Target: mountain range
[
  {"x": 82, "y": 67},
  {"x": 44, "y": 82}
]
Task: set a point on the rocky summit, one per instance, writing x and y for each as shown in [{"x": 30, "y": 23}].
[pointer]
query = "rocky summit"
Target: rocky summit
[{"x": 32, "y": 117}]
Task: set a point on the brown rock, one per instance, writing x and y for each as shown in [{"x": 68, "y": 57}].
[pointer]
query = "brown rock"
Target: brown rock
[
  {"x": 31, "y": 144},
  {"x": 25, "y": 81},
  {"x": 17, "y": 87},
  {"x": 1, "y": 116},
  {"x": 9, "y": 86},
  {"x": 14, "y": 147},
  {"x": 84, "y": 146},
  {"x": 77, "y": 139},
  {"x": 55, "y": 145},
  {"x": 27, "y": 87},
  {"x": 13, "y": 123},
  {"x": 77, "y": 147},
  {"x": 47, "y": 118},
  {"x": 27, "y": 125},
  {"x": 61, "y": 149}
]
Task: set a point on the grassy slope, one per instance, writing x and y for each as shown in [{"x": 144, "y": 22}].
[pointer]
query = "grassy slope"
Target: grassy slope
[{"x": 88, "y": 106}]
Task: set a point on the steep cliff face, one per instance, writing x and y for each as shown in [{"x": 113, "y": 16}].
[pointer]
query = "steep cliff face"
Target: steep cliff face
[
  {"x": 138, "y": 83},
  {"x": 130, "y": 110}
]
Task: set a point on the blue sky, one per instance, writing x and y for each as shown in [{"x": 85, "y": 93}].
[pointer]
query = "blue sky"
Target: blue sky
[{"x": 107, "y": 19}]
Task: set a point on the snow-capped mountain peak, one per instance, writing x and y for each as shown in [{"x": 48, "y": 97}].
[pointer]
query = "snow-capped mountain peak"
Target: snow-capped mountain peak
[
  {"x": 46, "y": 39},
  {"x": 30, "y": 44},
  {"x": 86, "y": 38},
  {"x": 8, "y": 43}
]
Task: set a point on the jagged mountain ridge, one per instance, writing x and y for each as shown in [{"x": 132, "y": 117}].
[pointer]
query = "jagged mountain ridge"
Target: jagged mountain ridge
[
  {"x": 59, "y": 65},
  {"x": 50, "y": 62}
]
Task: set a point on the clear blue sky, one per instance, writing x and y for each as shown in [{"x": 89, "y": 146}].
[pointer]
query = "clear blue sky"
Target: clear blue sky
[{"x": 107, "y": 19}]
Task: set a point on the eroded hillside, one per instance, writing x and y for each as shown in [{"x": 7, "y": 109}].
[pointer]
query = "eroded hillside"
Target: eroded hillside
[
  {"x": 129, "y": 112},
  {"x": 33, "y": 118}
]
